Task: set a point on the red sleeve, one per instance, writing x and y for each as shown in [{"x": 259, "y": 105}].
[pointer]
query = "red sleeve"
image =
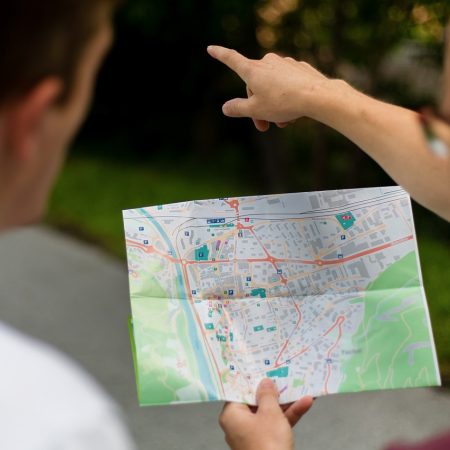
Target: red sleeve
[{"x": 441, "y": 442}]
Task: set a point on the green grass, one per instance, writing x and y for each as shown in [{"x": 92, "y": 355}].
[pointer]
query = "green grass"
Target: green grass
[{"x": 91, "y": 193}]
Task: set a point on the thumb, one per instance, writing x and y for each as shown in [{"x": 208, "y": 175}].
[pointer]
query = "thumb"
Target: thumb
[
  {"x": 238, "y": 107},
  {"x": 267, "y": 396}
]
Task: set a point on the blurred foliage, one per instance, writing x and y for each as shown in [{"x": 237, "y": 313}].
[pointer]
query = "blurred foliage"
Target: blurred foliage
[{"x": 159, "y": 94}]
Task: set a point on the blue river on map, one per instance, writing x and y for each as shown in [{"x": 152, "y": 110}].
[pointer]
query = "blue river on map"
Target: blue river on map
[{"x": 202, "y": 363}]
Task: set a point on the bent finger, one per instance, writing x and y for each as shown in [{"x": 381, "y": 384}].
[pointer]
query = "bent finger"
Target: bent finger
[
  {"x": 297, "y": 409},
  {"x": 232, "y": 412},
  {"x": 261, "y": 125}
]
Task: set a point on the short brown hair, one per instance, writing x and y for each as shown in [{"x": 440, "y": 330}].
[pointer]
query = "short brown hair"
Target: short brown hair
[{"x": 41, "y": 38}]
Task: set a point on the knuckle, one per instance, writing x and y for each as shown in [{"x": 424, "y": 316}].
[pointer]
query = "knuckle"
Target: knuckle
[
  {"x": 270, "y": 56},
  {"x": 223, "y": 420},
  {"x": 232, "y": 53}
]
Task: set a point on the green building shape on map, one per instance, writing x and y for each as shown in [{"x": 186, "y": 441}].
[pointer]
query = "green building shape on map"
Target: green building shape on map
[
  {"x": 346, "y": 219},
  {"x": 260, "y": 291},
  {"x": 201, "y": 254},
  {"x": 258, "y": 328},
  {"x": 281, "y": 372}
]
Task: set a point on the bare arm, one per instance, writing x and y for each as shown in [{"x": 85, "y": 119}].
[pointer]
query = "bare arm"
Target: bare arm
[
  {"x": 445, "y": 103},
  {"x": 283, "y": 90},
  {"x": 393, "y": 137}
]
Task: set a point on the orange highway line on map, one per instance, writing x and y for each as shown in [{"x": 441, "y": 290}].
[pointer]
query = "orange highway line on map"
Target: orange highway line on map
[
  {"x": 293, "y": 331},
  {"x": 318, "y": 262},
  {"x": 273, "y": 260},
  {"x": 339, "y": 321},
  {"x": 151, "y": 249},
  {"x": 303, "y": 350}
]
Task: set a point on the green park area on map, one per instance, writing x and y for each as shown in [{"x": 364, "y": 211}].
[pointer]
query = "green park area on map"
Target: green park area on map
[{"x": 320, "y": 291}]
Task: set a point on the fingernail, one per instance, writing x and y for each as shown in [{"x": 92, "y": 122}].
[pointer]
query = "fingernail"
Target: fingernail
[{"x": 266, "y": 383}]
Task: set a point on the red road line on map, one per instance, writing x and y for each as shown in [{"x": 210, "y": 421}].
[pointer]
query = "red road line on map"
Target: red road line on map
[
  {"x": 269, "y": 258},
  {"x": 151, "y": 249},
  {"x": 370, "y": 250},
  {"x": 239, "y": 226},
  {"x": 288, "y": 339},
  {"x": 339, "y": 321},
  {"x": 233, "y": 204},
  {"x": 273, "y": 260},
  {"x": 318, "y": 262},
  {"x": 303, "y": 350}
]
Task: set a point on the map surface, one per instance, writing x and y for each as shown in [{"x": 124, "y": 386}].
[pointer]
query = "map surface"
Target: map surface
[{"x": 320, "y": 291}]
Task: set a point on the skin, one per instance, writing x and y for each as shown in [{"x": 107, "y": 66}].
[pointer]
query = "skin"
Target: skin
[
  {"x": 281, "y": 90},
  {"x": 35, "y": 131},
  {"x": 268, "y": 427},
  {"x": 445, "y": 105}
]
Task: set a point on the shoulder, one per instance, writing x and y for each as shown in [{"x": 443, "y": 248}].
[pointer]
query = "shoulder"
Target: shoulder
[{"x": 44, "y": 395}]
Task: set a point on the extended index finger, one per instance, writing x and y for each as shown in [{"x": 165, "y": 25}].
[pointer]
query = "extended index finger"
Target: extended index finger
[{"x": 231, "y": 58}]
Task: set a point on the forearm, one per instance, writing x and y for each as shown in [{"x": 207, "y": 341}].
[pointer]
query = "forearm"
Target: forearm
[
  {"x": 393, "y": 137},
  {"x": 445, "y": 101}
]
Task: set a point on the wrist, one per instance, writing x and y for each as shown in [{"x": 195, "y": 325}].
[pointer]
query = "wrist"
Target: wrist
[{"x": 330, "y": 101}]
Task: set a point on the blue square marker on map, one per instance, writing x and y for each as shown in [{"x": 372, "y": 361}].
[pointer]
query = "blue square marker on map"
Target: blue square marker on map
[
  {"x": 141, "y": 228},
  {"x": 145, "y": 242},
  {"x": 267, "y": 362},
  {"x": 249, "y": 278},
  {"x": 230, "y": 292}
]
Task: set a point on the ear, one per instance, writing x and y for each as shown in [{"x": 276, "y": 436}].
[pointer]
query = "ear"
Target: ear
[{"x": 25, "y": 117}]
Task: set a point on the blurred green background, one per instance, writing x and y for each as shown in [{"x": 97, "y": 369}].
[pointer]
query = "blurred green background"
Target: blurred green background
[{"x": 156, "y": 133}]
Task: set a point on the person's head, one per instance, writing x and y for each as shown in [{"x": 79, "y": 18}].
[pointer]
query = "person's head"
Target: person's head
[{"x": 50, "y": 52}]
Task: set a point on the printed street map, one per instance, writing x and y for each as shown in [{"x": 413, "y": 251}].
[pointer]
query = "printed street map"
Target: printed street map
[{"x": 320, "y": 291}]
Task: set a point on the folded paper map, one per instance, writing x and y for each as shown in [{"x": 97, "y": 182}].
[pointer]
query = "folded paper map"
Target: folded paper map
[{"x": 320, "y": 291}]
